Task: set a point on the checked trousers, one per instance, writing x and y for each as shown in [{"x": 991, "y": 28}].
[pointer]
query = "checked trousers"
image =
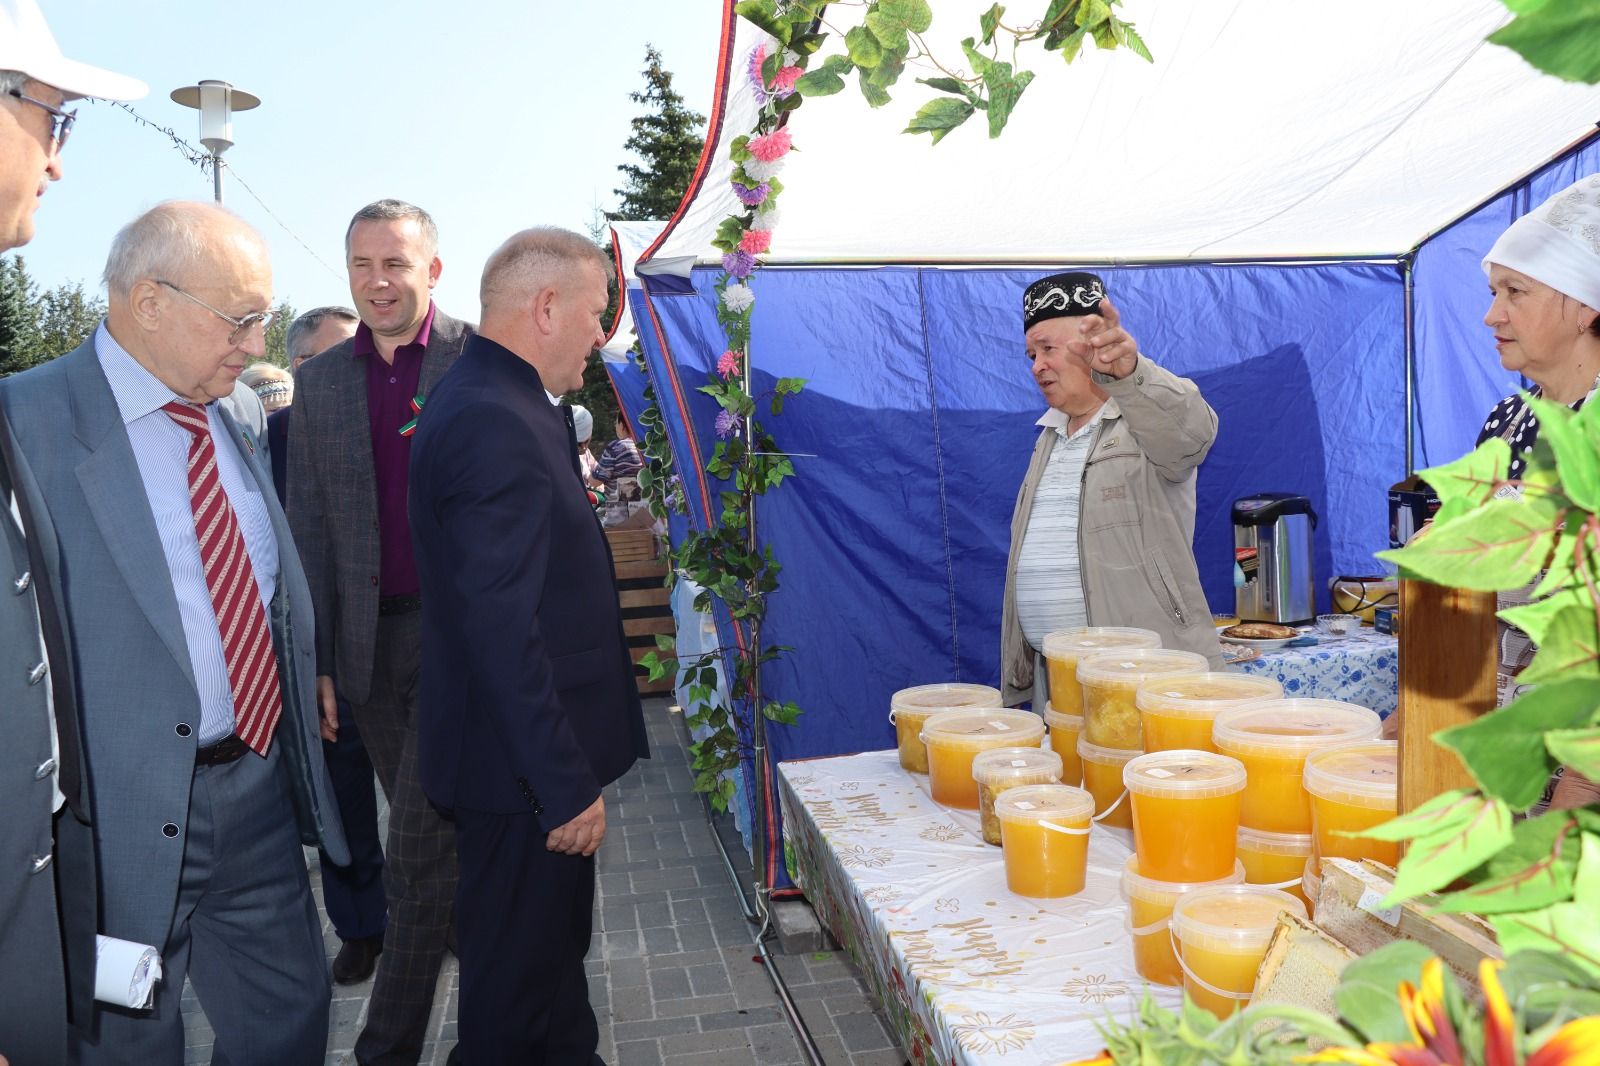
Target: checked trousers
[{"x": 419, "y": 872}]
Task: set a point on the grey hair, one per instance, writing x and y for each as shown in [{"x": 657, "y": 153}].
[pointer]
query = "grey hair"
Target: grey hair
[
  {"x": 534, "y": 259},
  {"x": 310, "y": 321},
  {"x": 12, "y": 79},
  {"x": 394, "y": 211},
  {"x": 168, "y": 240}
]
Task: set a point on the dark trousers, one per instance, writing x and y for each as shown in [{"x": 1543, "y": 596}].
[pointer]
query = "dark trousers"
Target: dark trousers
[
  {"x": 353, "y": 895},
  {"x": 523, "y": 917},
  {"x": 419, "y": 872}
]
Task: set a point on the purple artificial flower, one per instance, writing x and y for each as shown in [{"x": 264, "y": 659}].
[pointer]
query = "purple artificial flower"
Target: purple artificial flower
[
  {"x": 727, "y": 422},
  {"x": 758, "y": 56},
  {"x": 751, "y": 197},
  {"x": 740, "y": 264}
]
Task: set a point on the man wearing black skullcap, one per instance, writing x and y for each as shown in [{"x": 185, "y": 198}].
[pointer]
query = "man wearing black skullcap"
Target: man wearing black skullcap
[{"x": 1103, "y": 531}]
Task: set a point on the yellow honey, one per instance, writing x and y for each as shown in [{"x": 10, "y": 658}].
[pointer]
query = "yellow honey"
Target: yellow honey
[
  {"x": 1222, "y": 935},
  {"x": 1064, "y": 732},
  {"x": 1276, "y": 860},
  {"x": 1045, "y": 834},
  {"x": 1001, "y": 769},
  {"x": 1063, "y": 648},
  {"x": 1353, "y": 787},
  {"x": 1150, "y": 904},
  {"x": 1272, "y": 738},
  {"x": 1102, "y": 777},
  {"x": 911, "y": 707},
  {"x": 1177, "y": 712},
  {"x": 1110, "y": 682},
  {"x": 954, "y": 739},
  {"x": 1185, "y": 813}
]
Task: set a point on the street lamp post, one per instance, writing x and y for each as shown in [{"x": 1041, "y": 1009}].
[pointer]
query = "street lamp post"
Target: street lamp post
[{"x": 216, "y": 101}]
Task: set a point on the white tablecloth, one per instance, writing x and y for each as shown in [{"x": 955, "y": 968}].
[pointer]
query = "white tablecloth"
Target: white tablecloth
[
  {"x": 967, "y": 971},
  {"x": 1362, "y": 668}
]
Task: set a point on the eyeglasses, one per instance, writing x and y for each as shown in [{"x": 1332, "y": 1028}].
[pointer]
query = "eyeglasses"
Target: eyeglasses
[
  {"x": 61, "y": 121},
  {"x": 241, "y": 326}
]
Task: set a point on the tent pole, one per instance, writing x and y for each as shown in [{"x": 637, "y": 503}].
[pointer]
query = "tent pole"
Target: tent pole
[{"x": 1408, "y": 270}]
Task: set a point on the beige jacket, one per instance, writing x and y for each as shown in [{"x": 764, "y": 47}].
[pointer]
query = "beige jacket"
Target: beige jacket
[{"x": 1136, "y": 520}]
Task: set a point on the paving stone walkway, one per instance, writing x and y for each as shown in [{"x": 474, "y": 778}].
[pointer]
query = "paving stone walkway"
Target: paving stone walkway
[{"x": 673, "y": 974}]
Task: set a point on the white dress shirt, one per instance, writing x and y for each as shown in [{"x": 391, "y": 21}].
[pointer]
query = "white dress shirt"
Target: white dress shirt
[{"x": 161, "y": 448}]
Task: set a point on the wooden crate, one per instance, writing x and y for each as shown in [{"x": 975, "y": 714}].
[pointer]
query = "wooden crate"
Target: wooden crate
[
  {"x": 631, "y": 545},
  {"x": 646, "y": 608}
]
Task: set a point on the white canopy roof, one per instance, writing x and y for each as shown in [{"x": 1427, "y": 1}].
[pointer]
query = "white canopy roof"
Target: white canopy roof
[
  {"x": 1264, "y": 129},
  {"x": 628, "y": 240}
]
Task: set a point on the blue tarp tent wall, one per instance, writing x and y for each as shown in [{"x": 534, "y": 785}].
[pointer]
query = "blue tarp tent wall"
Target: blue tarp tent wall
[{"x": 1325, "y": 363}]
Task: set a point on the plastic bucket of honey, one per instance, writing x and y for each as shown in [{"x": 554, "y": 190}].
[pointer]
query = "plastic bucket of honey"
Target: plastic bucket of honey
[
  {"x": 1064, "y": 732},
  {"x": 1222, "y": 935},
  {"x": 1150, "y": 904},
  {"x": 1353, "y": 787},
  {"x": 911, "y": 707},
  {"x": 954, "y": 739},
  {"x": 1102, "y": 778},
  {"x": 1275, "y": 860},
  {"x": 1272, "y": 739},
  {"x": 1178, "y": 712},
  {"x": 1185, "y": 813},
  {"x": 1063, "y": 648},
  {"x": 1110, "y": 682},
  {"x": 1001, "y": 769},
  {"x": 1045, "y": 834},
  {"x": 1311, "y": 884}
]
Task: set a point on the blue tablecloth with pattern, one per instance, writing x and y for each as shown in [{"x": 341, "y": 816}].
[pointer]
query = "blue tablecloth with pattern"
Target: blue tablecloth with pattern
[{"x": 1361, "y": 668}]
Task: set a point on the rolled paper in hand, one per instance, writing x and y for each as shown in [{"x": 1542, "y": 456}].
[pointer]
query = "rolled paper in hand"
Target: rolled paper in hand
[{"x": 125, "y": 973}]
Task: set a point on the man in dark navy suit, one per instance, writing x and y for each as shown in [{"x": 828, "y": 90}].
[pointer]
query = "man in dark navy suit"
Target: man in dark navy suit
[{"x": 528, "y": 704}]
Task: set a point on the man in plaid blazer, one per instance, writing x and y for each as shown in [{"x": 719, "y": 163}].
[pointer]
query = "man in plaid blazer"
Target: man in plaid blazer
[{"x": 349, "y": 456}]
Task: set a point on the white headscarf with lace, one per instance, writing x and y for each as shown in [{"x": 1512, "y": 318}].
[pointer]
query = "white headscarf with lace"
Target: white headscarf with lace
[{"x": 1558, "y": 242}]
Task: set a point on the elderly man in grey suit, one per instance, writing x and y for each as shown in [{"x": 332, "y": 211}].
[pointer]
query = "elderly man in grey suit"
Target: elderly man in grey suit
[
  {"x": 349, "y": 457},
  {"x": 192, "y": 630},
  {"x": 47, "y": 873}
]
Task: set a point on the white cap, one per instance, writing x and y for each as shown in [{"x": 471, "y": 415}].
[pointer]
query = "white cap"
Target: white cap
[
  {"x": 28, "y": 46},
  {"x": 582, "y": 423},
  {"x": 1558, "y": 242}
]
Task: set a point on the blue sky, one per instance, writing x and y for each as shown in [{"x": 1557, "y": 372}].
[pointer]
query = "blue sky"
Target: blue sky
[{"x": 491, "y": 114}]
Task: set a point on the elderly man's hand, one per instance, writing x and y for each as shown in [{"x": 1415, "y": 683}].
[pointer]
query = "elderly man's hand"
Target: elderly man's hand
[
  {"x": 1104, "y": 344},
  {"x": 583, "y": 834}
]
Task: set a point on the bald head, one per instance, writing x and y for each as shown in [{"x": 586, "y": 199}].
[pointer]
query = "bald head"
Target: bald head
[
  {"x": 177, "y": 239},
  {"x": 543, "y": 295},
  {"x": 188, "y": 285}
]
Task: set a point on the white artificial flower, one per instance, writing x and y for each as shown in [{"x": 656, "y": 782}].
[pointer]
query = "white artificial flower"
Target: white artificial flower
[
  {"x": 759, "y": 171},
  {"x": 738, "y": 298},
  {"x": 766, "y": 218}
]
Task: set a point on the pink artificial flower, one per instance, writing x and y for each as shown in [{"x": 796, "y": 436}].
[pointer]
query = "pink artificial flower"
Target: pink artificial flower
[
  {"x": 783, "y": 81},
  {"x": 756, "y": 241},
  {"x": 728, "y": 364},
  {"x": 771, "y": 147}
]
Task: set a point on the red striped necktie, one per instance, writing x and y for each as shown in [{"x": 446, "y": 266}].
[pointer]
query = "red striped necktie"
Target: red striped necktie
[{"x": 241, "y": 618}]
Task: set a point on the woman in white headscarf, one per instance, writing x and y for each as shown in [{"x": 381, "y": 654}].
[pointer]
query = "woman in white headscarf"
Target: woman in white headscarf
[{"x": 1544, "y": 274}]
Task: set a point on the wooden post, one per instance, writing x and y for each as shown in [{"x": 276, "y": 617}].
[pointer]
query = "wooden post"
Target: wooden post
[{"x": 1448, "y": 659}]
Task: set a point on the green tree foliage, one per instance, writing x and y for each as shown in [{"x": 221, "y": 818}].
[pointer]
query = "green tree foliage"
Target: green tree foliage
[
  {"x": 278, "y": 336},
  {"x": 36, "y": 326}
]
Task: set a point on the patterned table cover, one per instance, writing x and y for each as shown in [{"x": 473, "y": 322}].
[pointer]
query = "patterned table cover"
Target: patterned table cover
[
  {"x": 1362, "y": 668},
  {"x": 967, "y": 971}
]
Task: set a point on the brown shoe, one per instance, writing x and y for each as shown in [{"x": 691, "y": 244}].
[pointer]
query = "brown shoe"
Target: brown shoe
[{"x": 357, "y": 959}]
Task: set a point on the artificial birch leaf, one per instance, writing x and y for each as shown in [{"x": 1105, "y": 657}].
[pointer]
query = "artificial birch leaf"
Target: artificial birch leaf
[
  {"x": 1535, "y": 618},
  {"x": 1562, "y": 570},
  {"x": 764, "y": 13},
  {"x": 1534, "y": 870},
  {"x": 864, "y": 49},
  {"x": 1570, "y": 648},
  {"x": 1472, "y": 477},
  {"x": 1504, "y": 749},
  {"x": 1578, "y": 749},
  {"x": 826, "y": 79},
  {"x": 1577, "y": 459},
  {"x": 1557, "y": 39},
  {"x": 1503, "y": 544},
  {"x": 989, "y": 21},
  {"x": 939, "y": 117},
  {"x": 1568, "y": 929},
  {"x": 1434, "y": 861},
  {"x": 1005, "y": 89},
  {"x": 1441, "y": 814},
  {"x": 1366, "y": 994}
]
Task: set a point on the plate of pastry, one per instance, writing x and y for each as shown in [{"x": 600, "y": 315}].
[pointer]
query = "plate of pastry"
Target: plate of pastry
[{"x": 1263, "y": 636}]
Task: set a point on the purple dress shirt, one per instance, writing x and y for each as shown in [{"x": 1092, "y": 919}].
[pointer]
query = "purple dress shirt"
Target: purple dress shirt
[{"x": 390, "y": 389}]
